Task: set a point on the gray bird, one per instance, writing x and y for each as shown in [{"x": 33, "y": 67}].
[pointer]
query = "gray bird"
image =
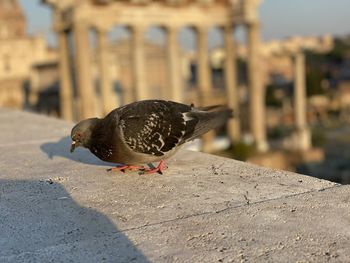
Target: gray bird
[{"x": 146, "y": 131}]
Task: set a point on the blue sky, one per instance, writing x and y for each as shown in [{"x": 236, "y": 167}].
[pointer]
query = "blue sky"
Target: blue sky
[{"x": 280, "y": 19}]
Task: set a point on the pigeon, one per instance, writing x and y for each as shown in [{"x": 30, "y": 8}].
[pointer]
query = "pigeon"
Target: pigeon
[{"x": 146, "y": 131}]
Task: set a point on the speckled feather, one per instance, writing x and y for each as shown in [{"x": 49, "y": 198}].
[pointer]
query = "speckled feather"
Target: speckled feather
[{"x": 155, "y": 127}]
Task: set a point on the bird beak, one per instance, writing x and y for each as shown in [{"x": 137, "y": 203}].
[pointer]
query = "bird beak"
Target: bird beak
[{"x": 73, "y": 146}]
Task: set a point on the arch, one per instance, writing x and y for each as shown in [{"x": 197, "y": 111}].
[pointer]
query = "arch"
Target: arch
[
  {"x": 188, "y": 43},
  {"x": 188, "y": 38},
  {"x": 156, "y": 61},
  {"x": 156, "y": 34},
  {"x": 217, "y": 56},
  {"x": 118, "y": 32},
  {"x": 119, "y": 37}
]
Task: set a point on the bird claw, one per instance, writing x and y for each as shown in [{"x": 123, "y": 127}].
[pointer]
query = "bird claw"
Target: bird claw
[
  {"x": 142, "y": 170},
  {"x": 124, "y": 168},
  {"x": 150, "y": 171},
  {"x": 159, "y": 169}
]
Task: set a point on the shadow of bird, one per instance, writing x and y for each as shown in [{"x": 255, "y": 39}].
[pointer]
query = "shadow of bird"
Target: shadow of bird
[{"x": 61, "y": 148}]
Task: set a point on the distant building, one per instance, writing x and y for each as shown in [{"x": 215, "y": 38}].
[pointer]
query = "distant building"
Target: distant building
[
  {"x": 18, "y": 52},
  {"x": 277, "y": 55},
  {"x": 321, "y": 44},
  {"x": 75, "y": 21}
]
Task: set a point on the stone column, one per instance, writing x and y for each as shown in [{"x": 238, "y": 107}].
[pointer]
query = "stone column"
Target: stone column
[
  {"x": 204, "y": 80},
  {"x": 303, "y": 133},
  {"x": 203, "y": 67},
  {"x": 34, "y": 87},
  {"x": 109, "y": 101},
  {"x": 65, "y": 92},
  {"x": 138, "y": 60},
  {"x": 234, "y": 126},
  {"x": 85, "y": 89},
  {"x": 174, "y": 72},
  {"x": 256, "y": 89}
]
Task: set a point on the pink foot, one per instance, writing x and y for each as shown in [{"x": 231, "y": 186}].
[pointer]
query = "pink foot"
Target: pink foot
[
  {"x": 159, "y": 169},
  {"x": 123, "y": 168}
]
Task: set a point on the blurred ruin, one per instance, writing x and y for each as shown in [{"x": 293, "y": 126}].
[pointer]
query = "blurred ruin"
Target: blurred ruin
[{"x": 291, "y": 96}]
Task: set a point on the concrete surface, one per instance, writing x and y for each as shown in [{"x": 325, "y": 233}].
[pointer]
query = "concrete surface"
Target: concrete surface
[{"x": 62, "y": 207}]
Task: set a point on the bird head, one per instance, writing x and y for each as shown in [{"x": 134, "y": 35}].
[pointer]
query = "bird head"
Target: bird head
[{"x": 81, "y": 133}]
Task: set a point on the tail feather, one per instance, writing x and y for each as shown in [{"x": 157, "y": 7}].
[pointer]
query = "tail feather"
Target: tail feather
[
  {"x": 210, "y": 117},
  {"x": 211, "y": 108}
]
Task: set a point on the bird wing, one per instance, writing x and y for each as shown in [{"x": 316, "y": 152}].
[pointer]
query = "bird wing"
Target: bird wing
[{"x": 154, "y": 126}]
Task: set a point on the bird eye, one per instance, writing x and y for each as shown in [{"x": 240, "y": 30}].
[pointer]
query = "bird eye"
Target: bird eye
[{"x": 77, "y": 137}]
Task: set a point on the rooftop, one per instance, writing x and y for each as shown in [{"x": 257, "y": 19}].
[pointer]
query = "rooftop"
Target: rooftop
[{"x": 57, "y": 206}]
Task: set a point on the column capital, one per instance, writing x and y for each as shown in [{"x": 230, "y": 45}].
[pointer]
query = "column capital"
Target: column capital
[
  {"x": 80, "y": 26},
  {"x": 60, "y": 28},
  {"x": 202, "y": 29},
  {"x": 57, "y": 28},
  {"x": 102, "y": 29},
  {"x": 171, "y": 32},
  {"x": 228, "y": 27},
  {"x": 298, "y": 55},
  {"x": 172, "y": 28},
  {"x": 253, "y": 24},
  {"x": 140, "y": 29},
  {"x": 102, "y": 38}
]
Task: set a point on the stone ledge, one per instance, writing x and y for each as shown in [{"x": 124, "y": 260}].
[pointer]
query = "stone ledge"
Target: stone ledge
[{"x": 58, "y": 206}]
